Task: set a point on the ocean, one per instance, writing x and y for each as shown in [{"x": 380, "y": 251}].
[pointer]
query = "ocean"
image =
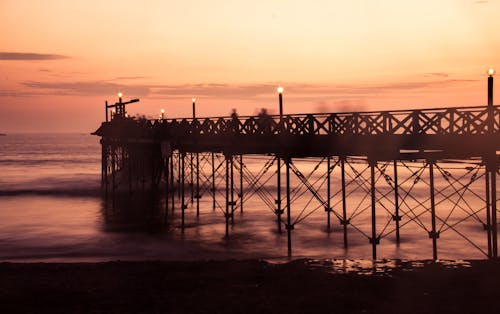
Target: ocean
[{"x": 52, "y": 209}]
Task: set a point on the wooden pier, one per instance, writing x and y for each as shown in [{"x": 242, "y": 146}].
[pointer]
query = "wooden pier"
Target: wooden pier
[{"x": 165, "y": 154}]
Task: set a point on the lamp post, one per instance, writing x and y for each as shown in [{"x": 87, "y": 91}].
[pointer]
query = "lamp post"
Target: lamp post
[
  {"x": 162, "y": 114},
  {"x": 491, "y": 73},
  {"x": 280, "y": 95},
  {"x": 194, "y": 107}
]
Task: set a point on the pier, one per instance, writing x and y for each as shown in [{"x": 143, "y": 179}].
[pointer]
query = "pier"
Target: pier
[{"x": 451, "y": 153}]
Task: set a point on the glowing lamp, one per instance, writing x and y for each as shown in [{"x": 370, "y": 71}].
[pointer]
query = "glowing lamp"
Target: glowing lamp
[
  {"x": 120, "y": 95},
  {"x": 162, "y": 111},
  {"x": 194, "y": 99},
  {"x": 280, "y": 90},
  {"x": 491, "y": 72}
]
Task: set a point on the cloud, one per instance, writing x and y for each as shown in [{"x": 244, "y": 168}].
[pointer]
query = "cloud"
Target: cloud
[
  {"x": 437, "y": 74},
  {"x": 481, "y": 2},
  {"x": 299, "y": 90},
  {"x": 29, "y": 56},
  {"x": 94, "y": 88},
  {"x": 130, "y": 78}
]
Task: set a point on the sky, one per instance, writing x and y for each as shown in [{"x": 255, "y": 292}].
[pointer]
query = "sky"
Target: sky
[{"x": 61, "y": 60}]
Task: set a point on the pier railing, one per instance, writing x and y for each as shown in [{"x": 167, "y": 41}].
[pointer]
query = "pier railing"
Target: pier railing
[{"x": 441, "y": 121}]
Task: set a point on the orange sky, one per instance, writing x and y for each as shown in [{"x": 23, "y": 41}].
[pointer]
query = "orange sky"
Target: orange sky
[{"x": 60, "y": 60}]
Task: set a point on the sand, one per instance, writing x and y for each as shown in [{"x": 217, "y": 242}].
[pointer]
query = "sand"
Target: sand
[{"x": 251, "y": 286}]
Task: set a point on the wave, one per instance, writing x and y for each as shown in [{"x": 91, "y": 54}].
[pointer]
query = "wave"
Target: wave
[{"x": 75, "y": 192}]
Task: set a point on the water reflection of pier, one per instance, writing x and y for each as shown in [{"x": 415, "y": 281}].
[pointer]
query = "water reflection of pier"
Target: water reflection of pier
[{"x": 450, "y": 152}]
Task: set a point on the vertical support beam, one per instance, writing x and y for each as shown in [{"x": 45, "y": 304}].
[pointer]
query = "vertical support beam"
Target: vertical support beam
[
  {"x": 374, "y": 239},
  {"x": 487, "y": 227},
  {"x": 197, "y": 184},
  {"x": 213, "y": 180},
  {"x": 172, "y": 187},
  {"x": 289, "y": 226},
  {"x": 344, "y": 203},
  {"x": 396, "y": 217},
  {"x": 182, "y": 156},
  {"x": 279, "y": 211},
  {"x": 104, "y": 163},
  {"x": 227, "y": 196},
  {"x": 129, "y": 162},
  {"x": 231, "y": 163},
  {"x": 191, "y": 172},
  {"x": 241, "y": 184},
  {"x": 113, "y": 169},
  {"x": 167, "y": 185},
  {"x": 179, "y": 174},
  {"x": 494, "y": 208},
  {"x": 433, "y": 234},
  {"x": 328, "y": 193}
]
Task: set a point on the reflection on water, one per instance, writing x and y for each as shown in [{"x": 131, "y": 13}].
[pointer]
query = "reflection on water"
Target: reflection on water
[
  {"x": 383, "y": 267},
  {"x": 51, "y": 210}
]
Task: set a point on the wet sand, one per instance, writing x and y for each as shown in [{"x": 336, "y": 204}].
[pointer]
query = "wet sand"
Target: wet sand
[{"x": 251, "y": 286}]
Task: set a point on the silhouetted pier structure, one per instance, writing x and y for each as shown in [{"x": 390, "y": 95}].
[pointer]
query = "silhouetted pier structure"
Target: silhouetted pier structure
[{"x": 449, "y": 152}]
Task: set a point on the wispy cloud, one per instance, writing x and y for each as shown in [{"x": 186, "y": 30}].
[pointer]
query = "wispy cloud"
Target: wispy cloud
[
  {"x": 30, "y": 56},
  {"x": 126, "y": 78},
  {"x": 244, "y": 91},
  {"x": 247, "y": 91},
  {"x": 95, "y": 88}
]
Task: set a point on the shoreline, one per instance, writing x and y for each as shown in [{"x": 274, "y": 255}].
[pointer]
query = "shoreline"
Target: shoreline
[{"x": 247, "y": 286}]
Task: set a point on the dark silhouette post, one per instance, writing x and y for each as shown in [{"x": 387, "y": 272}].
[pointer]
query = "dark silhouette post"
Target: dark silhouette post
[
  {"x": 487, "y": 227},
  {"x": 396, "y": 217},
  {"x": 492, "y": 165},
  {"x": 192, "y": 157},
  {"x": 231, "y": 164},
  {"x": 172, "y": 187},
  {"x": 328, "y": 193},
  {"x": 289, "y": 226},
  {"x": 241, "y": 183},
  {"x": 279, "y": 211},
  {"x": 344, "y": 202},
  {"x": 227, "y": 196},
  {"x": 491, "y": 73},
  {"x": 374, "y": 239},
  {"x": 213, "y": 181},
  {"x": 433, "y": 234},
  {"x": 183, "y": 204}
]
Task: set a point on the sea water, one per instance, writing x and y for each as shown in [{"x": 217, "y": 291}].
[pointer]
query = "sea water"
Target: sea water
[{"x": 52, "y": 209}]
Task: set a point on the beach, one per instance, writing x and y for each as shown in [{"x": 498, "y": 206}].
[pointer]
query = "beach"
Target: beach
[{"x": 246, "y": 286}]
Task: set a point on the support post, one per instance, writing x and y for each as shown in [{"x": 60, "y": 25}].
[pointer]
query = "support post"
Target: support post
[
  {"x": 433, "y": 234},
  {"x": 487, "y": 227},
  {"x": 344, "y": 201},
  {"x": 179, "y": 175},
  {"x": 328, "y": 193},
  {"x": 232, "y": 188},
  {"x": 289, "y": 226},
  {"x": 494, "y": 209},
  {"x": 191, "y": 183},
  {"x": 241, "y": 184},
  {"x": 374, "y": 239},
  {"x": 183, "y": 204},
  {"x": 167, "y": 186},
  {"x": 172, "y": 187},
  {"x": 197, "y": 184},
  {"x": 227, "y": 196},
  {"x": 396, "y": 218},
  {"x": 213, "y": 180},
  {"x": 113, "y": 169},
  {"x": 279, "y": 211}
]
